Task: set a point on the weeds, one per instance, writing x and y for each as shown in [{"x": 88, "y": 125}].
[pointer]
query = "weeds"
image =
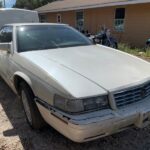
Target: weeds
[{"x": 135, "y": 51}]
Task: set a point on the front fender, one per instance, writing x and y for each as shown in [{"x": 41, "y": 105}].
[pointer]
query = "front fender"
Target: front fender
[{"x": 25, "y": 77}]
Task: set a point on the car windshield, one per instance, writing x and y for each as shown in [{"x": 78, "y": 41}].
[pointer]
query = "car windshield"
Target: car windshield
[{"x": 41, "y": 37}]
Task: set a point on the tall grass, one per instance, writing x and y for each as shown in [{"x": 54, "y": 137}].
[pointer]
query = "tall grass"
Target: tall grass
[{"x": 135, "y": 51}]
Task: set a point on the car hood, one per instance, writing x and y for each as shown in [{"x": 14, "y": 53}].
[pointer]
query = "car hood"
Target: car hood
[{"x": 106, "y": 67}]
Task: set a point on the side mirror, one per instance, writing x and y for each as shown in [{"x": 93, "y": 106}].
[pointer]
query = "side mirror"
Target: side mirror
[{"x": 6, "y": 47}]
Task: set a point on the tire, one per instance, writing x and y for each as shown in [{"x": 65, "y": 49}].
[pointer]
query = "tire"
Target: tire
[
  {"x": 148, "y": 45},
  {"x": 115, "y": 45},
  {"x": 32, "y": 113}
]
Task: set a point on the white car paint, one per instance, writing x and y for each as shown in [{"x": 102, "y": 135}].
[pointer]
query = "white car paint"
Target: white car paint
[{"x": 103, "y": 66}]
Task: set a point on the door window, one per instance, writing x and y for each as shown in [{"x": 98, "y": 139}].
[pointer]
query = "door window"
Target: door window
[
  {"x": 6, "y": 34},
  {"x": 58, "y": 18}
]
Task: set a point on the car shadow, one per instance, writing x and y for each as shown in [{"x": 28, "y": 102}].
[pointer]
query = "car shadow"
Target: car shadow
[{"x": 49, "y": 139}]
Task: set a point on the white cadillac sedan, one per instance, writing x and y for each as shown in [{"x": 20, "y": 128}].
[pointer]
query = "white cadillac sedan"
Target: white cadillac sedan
[{"x": 82, "y": 90}]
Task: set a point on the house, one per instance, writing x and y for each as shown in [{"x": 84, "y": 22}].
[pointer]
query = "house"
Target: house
[{"x": 129, "y": 20}]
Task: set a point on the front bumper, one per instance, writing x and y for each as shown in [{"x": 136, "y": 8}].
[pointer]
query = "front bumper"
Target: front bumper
[{"x": 98, "y": 124}]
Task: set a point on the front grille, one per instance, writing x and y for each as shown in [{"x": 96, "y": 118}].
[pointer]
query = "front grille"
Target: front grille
[{"x": 132, "y": 95}]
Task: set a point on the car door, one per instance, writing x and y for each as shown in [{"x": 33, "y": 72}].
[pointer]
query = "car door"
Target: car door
[{"x": 5, "y": 37}]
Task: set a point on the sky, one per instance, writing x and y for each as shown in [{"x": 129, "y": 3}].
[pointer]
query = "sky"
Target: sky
[{"x": 9, "y": 3}]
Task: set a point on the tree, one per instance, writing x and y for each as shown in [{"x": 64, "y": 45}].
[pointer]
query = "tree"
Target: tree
[
  {"x": 1, "y": 4},
  {"x": 31, "y": 4}
]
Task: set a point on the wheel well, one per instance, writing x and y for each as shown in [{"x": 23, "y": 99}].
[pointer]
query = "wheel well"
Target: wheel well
[{"x": 17, "y": 81}]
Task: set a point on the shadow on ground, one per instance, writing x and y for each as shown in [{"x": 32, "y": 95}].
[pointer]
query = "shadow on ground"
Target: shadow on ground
[{"x": 49, "y": 139}]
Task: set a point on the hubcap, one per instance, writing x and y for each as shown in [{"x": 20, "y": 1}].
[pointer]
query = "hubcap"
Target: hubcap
[{"x": 26, "y": 106}]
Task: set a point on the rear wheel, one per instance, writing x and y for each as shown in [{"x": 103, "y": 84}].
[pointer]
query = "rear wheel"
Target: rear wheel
[{"x": 32, "y": 113}]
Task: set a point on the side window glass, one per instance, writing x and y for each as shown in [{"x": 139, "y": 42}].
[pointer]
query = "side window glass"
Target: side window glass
[{"x": 6, "y": 34}]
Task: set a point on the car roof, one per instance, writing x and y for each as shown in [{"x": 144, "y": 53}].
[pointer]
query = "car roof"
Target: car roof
[
  {"x": 12, "y": 9},
  {"x": 34, "y": 24}
]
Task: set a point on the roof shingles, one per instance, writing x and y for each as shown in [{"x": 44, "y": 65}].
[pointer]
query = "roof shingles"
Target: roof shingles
[{"x": 65, "y": 5}]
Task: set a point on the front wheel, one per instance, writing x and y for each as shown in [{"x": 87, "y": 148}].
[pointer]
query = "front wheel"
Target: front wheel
[{"x": 32, "y": 113}]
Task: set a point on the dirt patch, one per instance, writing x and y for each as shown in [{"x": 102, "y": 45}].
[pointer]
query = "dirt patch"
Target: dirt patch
[{"x": 15, "y": 134}]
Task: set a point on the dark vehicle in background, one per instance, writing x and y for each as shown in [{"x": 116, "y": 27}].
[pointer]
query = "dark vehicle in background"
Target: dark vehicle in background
[
  {"x": 148, "y": 43},
  {"x": 104, "y": 37}
]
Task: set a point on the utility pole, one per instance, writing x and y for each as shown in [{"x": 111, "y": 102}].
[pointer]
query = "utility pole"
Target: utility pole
[{"x": 4, "y": 4}]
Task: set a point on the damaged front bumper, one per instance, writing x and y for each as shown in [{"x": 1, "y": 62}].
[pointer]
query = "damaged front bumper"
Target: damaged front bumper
[{"x": 94, "y": 125}]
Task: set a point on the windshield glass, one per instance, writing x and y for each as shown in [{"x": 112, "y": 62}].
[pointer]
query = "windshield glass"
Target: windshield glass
[{"x": 39, "y": 37}]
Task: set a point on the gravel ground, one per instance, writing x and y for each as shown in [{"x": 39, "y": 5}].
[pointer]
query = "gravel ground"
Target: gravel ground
[{"x": 15, "y": 134}]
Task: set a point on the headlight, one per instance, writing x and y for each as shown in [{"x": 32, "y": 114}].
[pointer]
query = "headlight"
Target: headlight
[{"x": 81, "y": 105}]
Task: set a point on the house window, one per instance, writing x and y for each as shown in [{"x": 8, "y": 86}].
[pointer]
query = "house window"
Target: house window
[
  {"x": 59, "y": 18},
  {"x": 119, "y": 19},
  {"x": 80, "y": 20},
  {"x": 43, "y": 18}
]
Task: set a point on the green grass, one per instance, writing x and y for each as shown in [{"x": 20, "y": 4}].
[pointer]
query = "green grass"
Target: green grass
[{"x": 135, "y": 51}]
